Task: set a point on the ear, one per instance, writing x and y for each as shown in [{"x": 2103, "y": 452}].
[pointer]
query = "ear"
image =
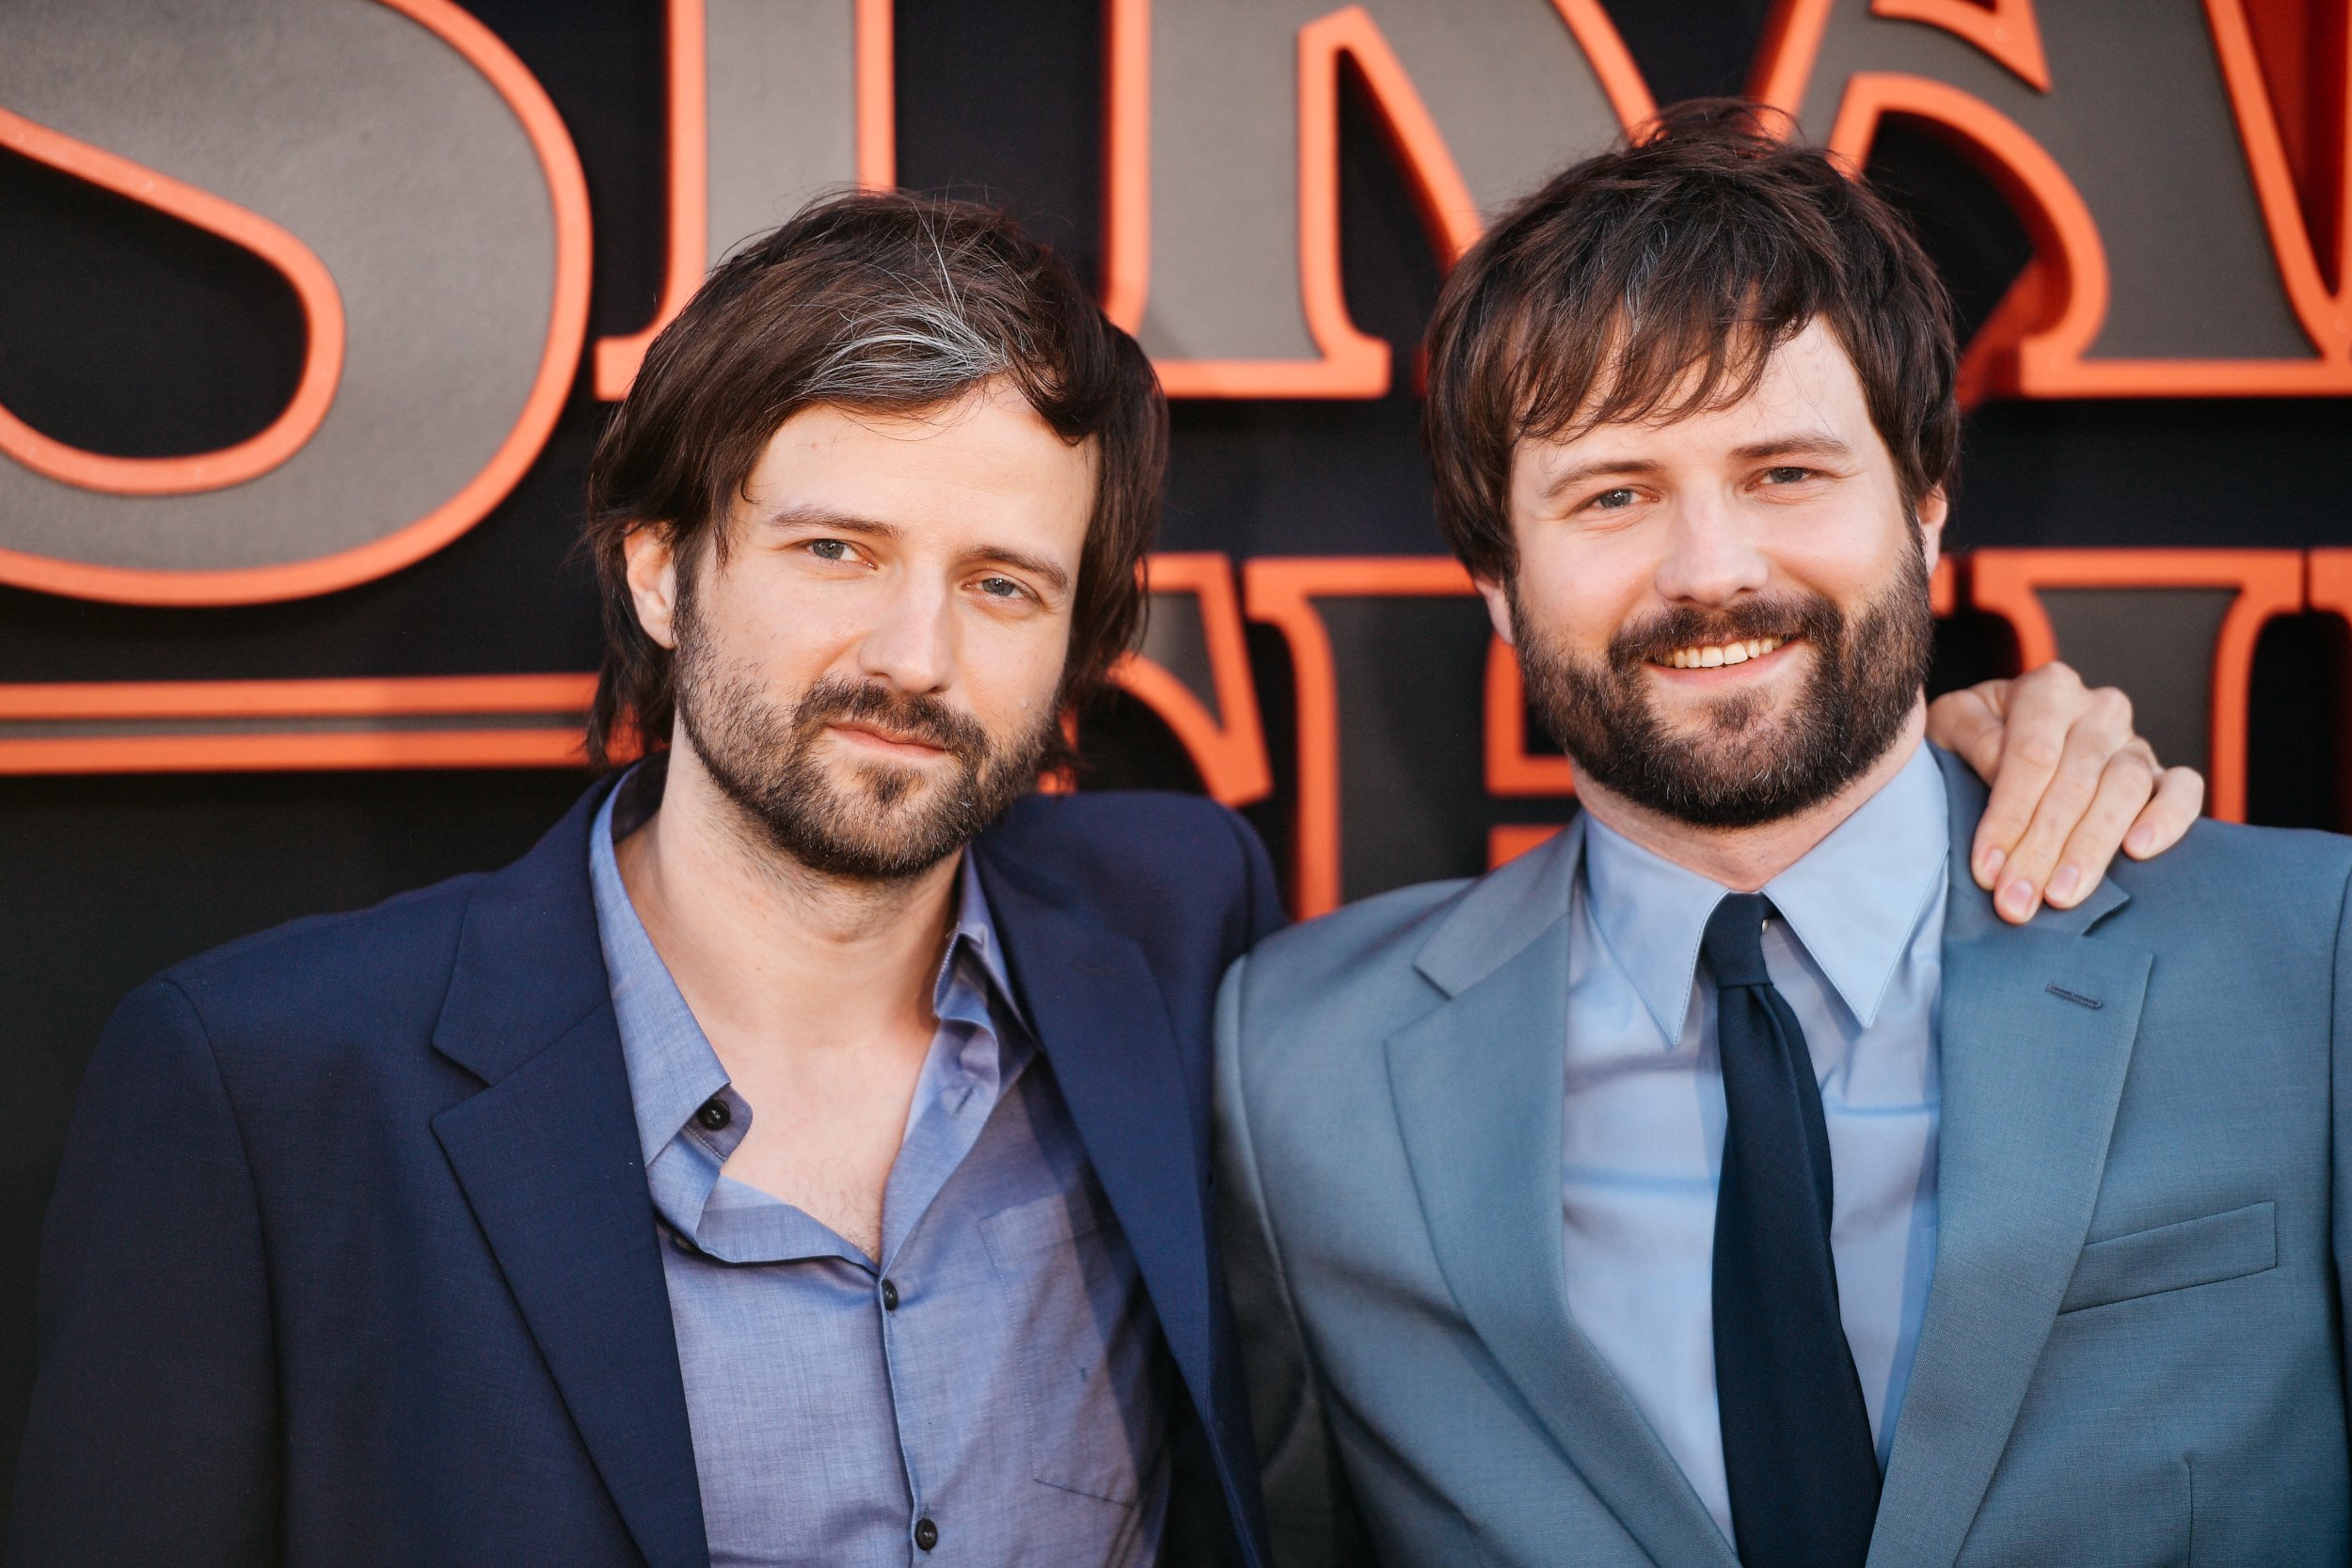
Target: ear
[
  {"x": 1934, "y": 508},
  {"x": 653, "y": 580},
  {"x": 1497, "y": 608}
]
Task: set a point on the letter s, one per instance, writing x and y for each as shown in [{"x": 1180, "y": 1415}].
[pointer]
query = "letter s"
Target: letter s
[{"x": 407, "y": 174}]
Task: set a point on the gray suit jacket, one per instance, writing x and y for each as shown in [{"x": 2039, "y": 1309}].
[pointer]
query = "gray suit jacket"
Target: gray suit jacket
[{"x": 2134, "y": 1346}]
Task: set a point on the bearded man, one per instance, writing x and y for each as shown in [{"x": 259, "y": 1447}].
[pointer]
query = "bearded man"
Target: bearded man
[
  {"x": 800, "y": 1156},
  {"x": 1725, "y": 1182}
]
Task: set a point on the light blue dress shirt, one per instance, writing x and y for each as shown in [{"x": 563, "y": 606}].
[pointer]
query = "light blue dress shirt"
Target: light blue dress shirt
[
  {"x": 991, "y": 1385},
  {"x": 1857, "y": 951}
]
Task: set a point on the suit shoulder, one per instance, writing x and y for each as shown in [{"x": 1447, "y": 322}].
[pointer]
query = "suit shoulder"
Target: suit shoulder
[
  {"x": 2267, "y": 901},
  {"x": 1121, "y": 831},
  {"x": 347, "y": 966},
  {"x": 2289, "y": 870},
  {"x": 1374, "y": 937}
]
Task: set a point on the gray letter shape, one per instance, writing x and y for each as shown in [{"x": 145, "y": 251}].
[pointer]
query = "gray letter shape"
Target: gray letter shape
[
  {"x": 1505, "y": 81},
  {"x": 2139, "y": 119},
  {"x": 381, "y": 148},
  {"x": 783, "y": 109}
]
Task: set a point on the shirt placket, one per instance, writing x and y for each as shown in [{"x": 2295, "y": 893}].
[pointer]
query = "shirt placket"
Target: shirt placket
[{"x": 945, "y": 1122}]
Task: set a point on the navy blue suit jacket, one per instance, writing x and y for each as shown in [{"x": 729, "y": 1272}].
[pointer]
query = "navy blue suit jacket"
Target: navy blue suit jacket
[{"x": 352, "y": 1260}]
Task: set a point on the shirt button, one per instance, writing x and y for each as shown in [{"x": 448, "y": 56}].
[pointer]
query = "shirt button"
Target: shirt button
[
  {"x": 890, "y": 1304},
  {"x": 926, "y": 1534},
  {"x": 714, "y": 1113}
]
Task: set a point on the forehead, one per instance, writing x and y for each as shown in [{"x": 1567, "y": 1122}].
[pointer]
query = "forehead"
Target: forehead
[
  {"x": 1808, "y": 387},
  {"x": 984, "y": 455}
]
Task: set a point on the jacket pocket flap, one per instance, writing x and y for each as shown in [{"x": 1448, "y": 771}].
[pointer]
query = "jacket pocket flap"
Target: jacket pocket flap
[{"x": 2201, "y": 1251}]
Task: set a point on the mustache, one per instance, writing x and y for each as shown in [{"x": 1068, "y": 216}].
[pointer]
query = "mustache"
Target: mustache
[
  {"x": 913, "y": 715},
  {"x": 1785, "y": 617}
]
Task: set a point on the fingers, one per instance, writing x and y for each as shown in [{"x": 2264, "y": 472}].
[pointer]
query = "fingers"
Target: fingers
[
  {"x": 2040, "y": 713},
  {"x": 2128, "y": 785},
  {"x": 2101, "y": 734},
  {"x": 1967, "y": 724},
  {"x": 2180, "y": 796}
]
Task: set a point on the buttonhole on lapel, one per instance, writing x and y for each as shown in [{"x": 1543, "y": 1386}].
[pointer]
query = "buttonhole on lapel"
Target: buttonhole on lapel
[
  {"x": 1109, "y": 971},
  {"x": 2075, "y": 996}
]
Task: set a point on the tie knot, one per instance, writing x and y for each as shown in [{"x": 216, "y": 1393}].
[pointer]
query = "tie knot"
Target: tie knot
[{"x": 1734, "y": 944}]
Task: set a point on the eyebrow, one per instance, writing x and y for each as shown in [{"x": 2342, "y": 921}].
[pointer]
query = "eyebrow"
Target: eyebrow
[
  {"x": 1805, "y": 444},
  {"x": 1600, "y": 467},
  {"x": 1808, "y": 444},
  {"x": 825, "y": 520}
]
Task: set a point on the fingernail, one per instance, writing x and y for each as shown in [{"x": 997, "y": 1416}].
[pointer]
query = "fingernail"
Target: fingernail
[
  {"x": 2017, "y": 900},
  {"x": 1994, "y": 859},
  {"x": 2140, "y": 840},
  {"x": 2062, "y": 886}
]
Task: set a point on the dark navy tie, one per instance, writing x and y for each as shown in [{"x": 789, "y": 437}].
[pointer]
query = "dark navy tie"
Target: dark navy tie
[{"x": 1797, "y": 1449}]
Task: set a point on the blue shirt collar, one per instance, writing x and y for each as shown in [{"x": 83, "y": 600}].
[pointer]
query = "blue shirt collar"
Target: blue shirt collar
[
  {"x": 672, "y": 1069},
  {"x": 1854, "y": 900}
]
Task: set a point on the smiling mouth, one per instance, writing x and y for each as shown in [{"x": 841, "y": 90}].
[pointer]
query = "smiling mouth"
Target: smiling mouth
[{"x": 1710, "y": 655}]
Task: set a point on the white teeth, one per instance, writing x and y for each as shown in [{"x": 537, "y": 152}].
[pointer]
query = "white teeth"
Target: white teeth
[{"x": 1709, "y": 658}]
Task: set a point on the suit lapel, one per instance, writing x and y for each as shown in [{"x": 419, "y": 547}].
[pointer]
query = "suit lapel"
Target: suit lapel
[
  {"x": 1478, "y": 1085},
  {"x": 2037, "y": 1030},
  {"x": 547, "y": 1156},
  {"x": 1102, "y": 1025}
]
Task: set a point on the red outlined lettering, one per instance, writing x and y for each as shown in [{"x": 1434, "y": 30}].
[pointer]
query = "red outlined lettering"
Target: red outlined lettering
[
  {"x": 321, "y": 302},
  {"x": 1228, "y": 747},
  {"x": 280, "y": 725},
  {"x": 2037, "y": 342},
  {"x": 1282, "y": 591},
  {"x": 686, "y": 243},
  {"x": 2005, "y": 29},
  {"x": 568, "y": 318},
  {"x": 1352, "y": 364},
  {"x": 2268, "y": 584}
]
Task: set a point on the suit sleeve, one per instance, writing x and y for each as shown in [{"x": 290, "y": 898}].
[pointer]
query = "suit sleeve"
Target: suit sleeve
[
  {"x": 1310, "y": 1516},
  {"x": 152, "y": 1435},
  {"x": 1266, "y": 914},
  {"x": 2339, "y": 1110}
]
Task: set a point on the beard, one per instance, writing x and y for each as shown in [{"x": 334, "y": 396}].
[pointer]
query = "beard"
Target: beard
[
  {"x": 1746, "y": 762},
  {"x": 886, "y": 821}
]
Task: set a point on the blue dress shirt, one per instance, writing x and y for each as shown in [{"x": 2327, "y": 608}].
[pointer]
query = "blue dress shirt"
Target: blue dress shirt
[
  {"x": 1857, "y": 951},
  {"x": 988, "y": 1391}
]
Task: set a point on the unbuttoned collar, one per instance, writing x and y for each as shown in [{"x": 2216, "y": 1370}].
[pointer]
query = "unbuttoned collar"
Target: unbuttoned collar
[
  {"x": 1854, "y": 900},
  {"x": 673, "y": 1071}
]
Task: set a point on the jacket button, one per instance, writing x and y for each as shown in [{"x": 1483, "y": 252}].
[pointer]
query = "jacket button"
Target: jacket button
[
  {"x": 890, "y": 1304},
  {"x": 714, "y": 1113},
  {"x": 926, "y": 1534}
]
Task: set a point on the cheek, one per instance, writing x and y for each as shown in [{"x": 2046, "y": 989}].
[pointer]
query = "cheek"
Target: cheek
[
  {"x": 1580, "y": 591},
  {"x": 768, "y": 620},
  {"x": 1011, "y": 670},
  {"x": 1847, "y": 561}
]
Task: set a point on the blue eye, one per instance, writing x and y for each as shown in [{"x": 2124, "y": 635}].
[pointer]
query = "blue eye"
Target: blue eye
[
  {"x": 1615, "y": 500},
  {"x": 829, "y": 549},
  {"x": 1000, "y": 588},
  {"x": 1787, "y": 475}
]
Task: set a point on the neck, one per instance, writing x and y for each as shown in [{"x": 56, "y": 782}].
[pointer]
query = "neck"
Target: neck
[
  {"x": 1745, "y": 858},
  {"x": 766, "y": 949}
]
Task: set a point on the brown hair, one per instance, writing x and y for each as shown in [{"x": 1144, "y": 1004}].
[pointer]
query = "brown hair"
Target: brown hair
[
  {"x": 881, "y": 302},
  {"x": 1700, "y": 246}
]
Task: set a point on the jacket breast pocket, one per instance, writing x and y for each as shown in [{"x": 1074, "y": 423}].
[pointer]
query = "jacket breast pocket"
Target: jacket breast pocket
[{"x": 2202, "y": 1251}]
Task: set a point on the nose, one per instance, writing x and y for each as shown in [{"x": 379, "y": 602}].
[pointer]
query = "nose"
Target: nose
[
  {"x": 1712, "y": 556},
  {"x": 911, "y": 644}
]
